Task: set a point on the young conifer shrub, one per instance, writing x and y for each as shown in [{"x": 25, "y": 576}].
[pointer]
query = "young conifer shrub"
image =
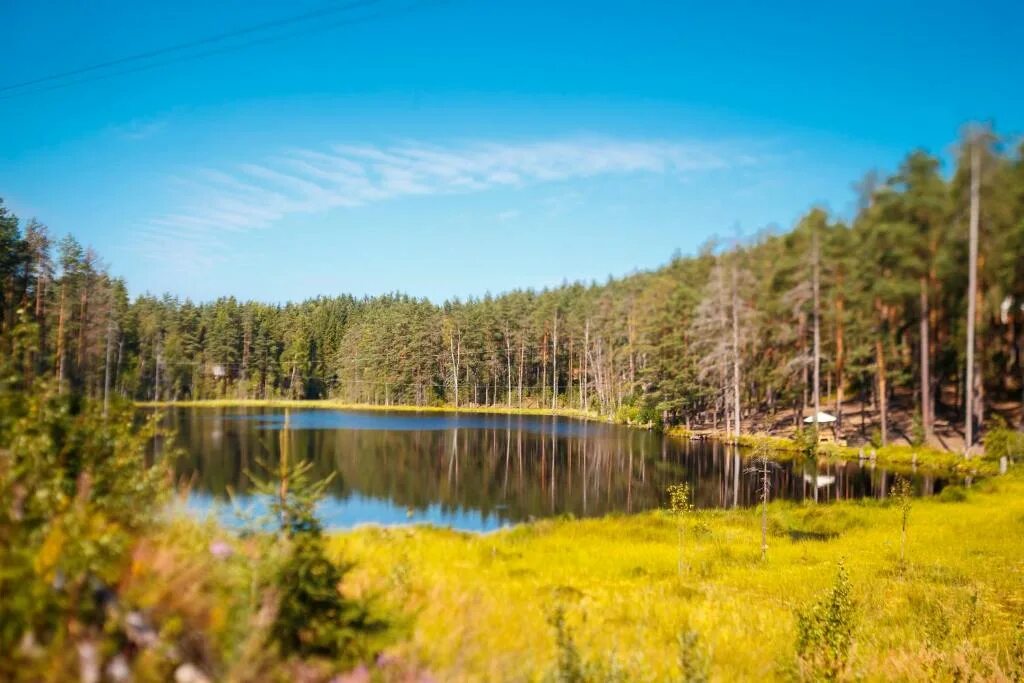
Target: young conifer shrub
[
  {"x": 680, "y": 505},
  {"x": 902, "y": 495}
]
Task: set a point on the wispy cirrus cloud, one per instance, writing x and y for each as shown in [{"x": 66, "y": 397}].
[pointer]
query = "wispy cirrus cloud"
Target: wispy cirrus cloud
[{"x": 255, "y": 195}]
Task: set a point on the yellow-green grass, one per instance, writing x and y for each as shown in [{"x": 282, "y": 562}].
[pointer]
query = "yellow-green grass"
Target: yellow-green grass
[{"x": 480, "y": 604}]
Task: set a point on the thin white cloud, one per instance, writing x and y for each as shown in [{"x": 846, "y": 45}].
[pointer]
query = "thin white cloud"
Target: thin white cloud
[
  {"x": 140, "y": 129},
  {"x": 306, "y": 181}
]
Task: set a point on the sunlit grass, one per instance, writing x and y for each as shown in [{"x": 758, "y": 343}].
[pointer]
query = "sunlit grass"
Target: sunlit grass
[{"x": 481, "y": 603}]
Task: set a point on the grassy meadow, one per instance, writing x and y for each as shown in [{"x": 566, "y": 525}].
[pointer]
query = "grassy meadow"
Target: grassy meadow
[{"x": 638, "y": 604}]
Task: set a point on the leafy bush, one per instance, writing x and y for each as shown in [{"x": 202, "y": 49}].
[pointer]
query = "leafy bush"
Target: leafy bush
[
  {"x": 825, "y": 632},
  {"x": 952, "y": 494},
  {"x": 568, "y": 663},
  {"x": 806, "y": 441},
  {"x": 75, "y": 492},
  {"x": 694, "y": 665},
  {"x": 632, "y": 414},
  {"x": 1000, "y": 440}
]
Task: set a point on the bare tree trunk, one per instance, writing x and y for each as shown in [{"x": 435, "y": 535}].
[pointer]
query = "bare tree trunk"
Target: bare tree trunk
[
  {"x": 508, "y": 362},
  {"x": 83, "y": 312},
  {"x": 106, "y": 367},
  {"x": 883, "y": 399},
  {"x": 522, "y": 355},
  {"x": 455, "y": 350},
  {"x": 156, "y": 371},
  {"x": 117, "y": 367},
  {"x": 554, "y": 364},
  {"x": 972, "y": 288},
  {"x": 840, "y": 359},
  {"x": 61, "y": 352},
  {"x": 544, "y": 369},
  {"x": 568, "y": 385},
  {"x": 816, "y": 285},
  {"x": 586, "y": 356},
  {"x": 736, "y": 354},
  {"x": 926, "y": 384}
]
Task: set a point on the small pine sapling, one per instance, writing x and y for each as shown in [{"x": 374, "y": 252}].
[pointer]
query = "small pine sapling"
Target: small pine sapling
[
  {"x": 680, "y": 505},
  {"x": 761, "y": 466},
  {"x": 902, "y": 494}
]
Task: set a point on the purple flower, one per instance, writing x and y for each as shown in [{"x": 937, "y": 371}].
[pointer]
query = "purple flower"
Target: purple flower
[{"x": 220, "y": 550}]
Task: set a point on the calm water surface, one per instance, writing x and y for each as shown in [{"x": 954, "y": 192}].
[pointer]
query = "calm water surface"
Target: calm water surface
[{"x": 480, "y": 472}]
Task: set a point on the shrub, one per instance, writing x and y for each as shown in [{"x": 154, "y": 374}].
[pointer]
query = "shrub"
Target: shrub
[
  {"x": 75, "y": 492},
  {"x": 638, "y": 415},
  {"x": 568, "y": 663},
  {"x": 679, "y": 506},
  {"x": 952, "y": 494},
  {"x": 902, "y": 495},
  {"x": 313, "y": 617},
  {"x": 917, "y": 431},
  {"x": 806, "y": 441},
  {"x": 825, "y": 632},
  {"x": 1000, "y": 440},
  {"x": 693, "y": 657}
]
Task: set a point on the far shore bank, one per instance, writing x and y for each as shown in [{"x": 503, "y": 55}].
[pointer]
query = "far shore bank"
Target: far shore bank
[
  {"x": 783, "y": 448},
  {"x": 332, "y": 404}
]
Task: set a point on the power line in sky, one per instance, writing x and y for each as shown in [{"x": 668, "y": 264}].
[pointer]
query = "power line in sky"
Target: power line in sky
[{"x": 58, "y": 80}]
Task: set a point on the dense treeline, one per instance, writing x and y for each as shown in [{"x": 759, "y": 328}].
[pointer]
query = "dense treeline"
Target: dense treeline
[{"x": 873, "y": 312}]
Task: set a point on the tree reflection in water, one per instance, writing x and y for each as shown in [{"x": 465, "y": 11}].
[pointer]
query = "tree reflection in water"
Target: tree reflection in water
[{"x": 483, "y": 471}]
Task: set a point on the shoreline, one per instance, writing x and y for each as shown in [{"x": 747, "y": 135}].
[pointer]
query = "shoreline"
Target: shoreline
[
  {"x": 332, "y": 404},
  {"x": 897, "y": 457}
]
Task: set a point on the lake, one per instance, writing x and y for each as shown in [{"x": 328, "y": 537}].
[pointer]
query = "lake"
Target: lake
[{"x": 482, "y": 471}]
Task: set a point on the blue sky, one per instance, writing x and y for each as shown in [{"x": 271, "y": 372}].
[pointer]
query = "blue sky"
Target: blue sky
[{"x": 451, "y": 147}]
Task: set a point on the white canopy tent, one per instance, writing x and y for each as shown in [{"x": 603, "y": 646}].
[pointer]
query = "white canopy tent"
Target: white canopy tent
[{"x": 820, "y": 418}]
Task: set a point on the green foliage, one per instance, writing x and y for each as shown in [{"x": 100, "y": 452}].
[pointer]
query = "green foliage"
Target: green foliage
[
  {"x": 313, "y": 617},
  {"x": 825, "y": 631},
  {"x": 1002, "y": 441},
  {"x": 638, "y": 415},
  {"x": 679, "y": 502},
  {"x": 75, "y": 492},
  {"x": 680, "y": 505},
  {"x": 694, "y": 665},
  {"x": 952, "y": 494},
  {"x": 917, "y": 436},
  {"x": 569, "y": 666},
  {"x": 291, "y": 493},
  {"x": 902, "y": 494},
  {"x": 806, "y": 440}
]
